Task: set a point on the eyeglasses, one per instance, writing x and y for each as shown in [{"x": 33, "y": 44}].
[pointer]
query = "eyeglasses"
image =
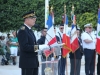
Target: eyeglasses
[
  {"x": 61, "y": 28},
  {"x": 45, "y": 31},
  {"x": 89, "y": 27}
]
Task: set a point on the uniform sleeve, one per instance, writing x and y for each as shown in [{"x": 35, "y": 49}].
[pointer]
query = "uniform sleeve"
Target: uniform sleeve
[
  {"x": 39, "y": 41},
  {"x": 23, "y": 41}
]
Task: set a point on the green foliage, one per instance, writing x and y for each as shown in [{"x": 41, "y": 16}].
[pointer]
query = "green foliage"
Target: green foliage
[
  {"x": 11, "y": 12},
  {"x": 87, "y": 18}
]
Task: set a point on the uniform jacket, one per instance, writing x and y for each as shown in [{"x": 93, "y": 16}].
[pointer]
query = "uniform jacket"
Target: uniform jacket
[
  {"x": 27, "y": 40},
  {"x": 41, "y": 40}
]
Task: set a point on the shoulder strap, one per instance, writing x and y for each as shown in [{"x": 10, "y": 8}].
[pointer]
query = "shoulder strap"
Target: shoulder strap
[
  {"x": 60, "y": 35},
  {"x": 89, "y": 35}
]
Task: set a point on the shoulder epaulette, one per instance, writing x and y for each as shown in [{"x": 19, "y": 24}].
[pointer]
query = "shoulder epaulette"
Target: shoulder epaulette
[{"x": 22, "y": 28}]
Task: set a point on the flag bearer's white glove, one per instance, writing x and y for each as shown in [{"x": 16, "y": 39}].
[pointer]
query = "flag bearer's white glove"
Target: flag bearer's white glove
[
  {"x": 59, "y": 58},
  {"x": 44, "y": 47},
  {"x": 41, "y": 47}
]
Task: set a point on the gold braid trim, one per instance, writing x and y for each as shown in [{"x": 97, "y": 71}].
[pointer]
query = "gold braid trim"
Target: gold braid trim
[{"x": 29, "y": 15}]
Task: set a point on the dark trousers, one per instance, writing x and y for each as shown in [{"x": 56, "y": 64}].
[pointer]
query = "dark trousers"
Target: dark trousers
[
  {"x": 98, "y": 65},
  {"x": 75, "y": 66},
  {"x": 29, "y": 71},
  {"x": 89, "y": 61},
  {"x": 61, "y": 66}
]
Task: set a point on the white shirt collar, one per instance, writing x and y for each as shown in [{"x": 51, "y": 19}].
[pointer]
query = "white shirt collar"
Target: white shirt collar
[{"x": 27, "y": 26}]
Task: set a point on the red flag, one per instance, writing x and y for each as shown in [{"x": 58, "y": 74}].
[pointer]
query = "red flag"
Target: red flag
[
  {"x": 98, "y": 34},
  {"x": 66, "y": 38},
  {"x": 48, "y": 52}
]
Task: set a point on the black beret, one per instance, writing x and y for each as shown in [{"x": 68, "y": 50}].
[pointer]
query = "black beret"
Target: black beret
[
  {"x": 29, "y": 14},
  {"x": 44, "y": 28}
]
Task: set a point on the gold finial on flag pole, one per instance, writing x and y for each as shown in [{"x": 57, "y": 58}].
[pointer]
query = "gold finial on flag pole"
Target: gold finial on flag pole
[
  {"x": 51, "y": 8},
  {"x": 99, "y": 5},
  {"x": 64, "y": 8},
  {"x": 72, "y": 12},
  {"x": 73, "y": 9}
]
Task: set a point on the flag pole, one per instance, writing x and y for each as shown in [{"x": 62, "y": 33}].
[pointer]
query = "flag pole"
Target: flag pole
[
  {"x": 72, "y": 13},
  {"x": 51, "y": 11},
  {"x": 46, "y": 11},
  {"x": 74, "y": 22},
  {"x": 52, "y": 64},
  {"x": 65, "y": 29}
]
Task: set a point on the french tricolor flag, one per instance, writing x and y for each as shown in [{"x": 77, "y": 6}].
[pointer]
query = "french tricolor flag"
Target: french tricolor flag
[
  {"x": 52, "y": 14},
  {"x": 50, "y": 37},
  {"x": 66, "y": 37},
  {"x": 74, "y": 38},
  {"x": 98, "y": 34}
]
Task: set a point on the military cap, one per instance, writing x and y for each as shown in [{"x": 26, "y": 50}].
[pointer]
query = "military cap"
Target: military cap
[
  {"x": 61, "y": 24},
  {"x": 88, "y": 25},
  {"x": 29, "y": 14},
  {"x": 8, "y": 34}
]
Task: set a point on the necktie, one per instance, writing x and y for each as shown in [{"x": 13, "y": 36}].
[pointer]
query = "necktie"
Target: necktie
[{"x": 33, "y": 34}]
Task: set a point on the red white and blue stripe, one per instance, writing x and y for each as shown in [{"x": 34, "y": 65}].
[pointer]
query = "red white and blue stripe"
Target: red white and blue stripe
[
  {"x": 74, "y": 38},
  {"x": 98, "y": 34},
  {"x": 50, "y": 37}
]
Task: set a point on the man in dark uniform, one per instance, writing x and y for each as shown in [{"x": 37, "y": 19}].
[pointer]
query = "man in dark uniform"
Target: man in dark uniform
[
  {"x": 43, "y": 36},
  {"x": 28, "y": 61},
  {"x": 98, "y": 65},
  {"x": 62, "y": 61},
  {"x": 42, "y": 41},
  {"x": 75, "y": 58}
]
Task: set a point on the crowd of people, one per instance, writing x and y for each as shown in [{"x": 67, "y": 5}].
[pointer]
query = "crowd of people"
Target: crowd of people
[
  {"x": 9, "y": 45},
  {"x": 28, "y": 60}
]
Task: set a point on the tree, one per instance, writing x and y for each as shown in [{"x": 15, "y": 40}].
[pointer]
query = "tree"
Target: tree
[
  {"x": 11, "y": 11},
  {"x": 87, "y": 18}
]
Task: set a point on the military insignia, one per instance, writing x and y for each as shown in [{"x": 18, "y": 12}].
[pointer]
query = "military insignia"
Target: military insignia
[{"x": 23, "y": 28}]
